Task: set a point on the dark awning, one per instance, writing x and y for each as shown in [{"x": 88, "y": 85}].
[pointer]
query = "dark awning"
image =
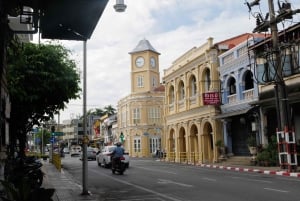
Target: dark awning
[
  {"x": 71, "y": 19},
  {"x": 68, "y": 19},
  {"x": 230, "y": 114}
]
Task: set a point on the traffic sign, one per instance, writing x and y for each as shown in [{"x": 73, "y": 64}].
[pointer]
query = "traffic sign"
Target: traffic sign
[
  {"x": 57, "y": 134},
  {"x": 52, "y": 140}
]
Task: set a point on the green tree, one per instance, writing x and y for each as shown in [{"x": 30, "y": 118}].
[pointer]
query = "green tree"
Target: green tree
[
  {"x": 41, "y": 80},
  {"x": 44, "y": 135},
  {"x": 99, "y": 112},
  {"x": 109, "y": 110}
]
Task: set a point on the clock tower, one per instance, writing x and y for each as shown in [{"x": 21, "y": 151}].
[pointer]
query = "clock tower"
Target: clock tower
[{"x": 144, "y": 68}]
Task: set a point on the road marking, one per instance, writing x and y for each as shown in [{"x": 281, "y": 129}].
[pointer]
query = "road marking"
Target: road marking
[
  {"x": 208, "y": 179},
  {"x": 258, "y": 180},
  {"x": 139, "y": 187},
  {"x": 164, "y": 181},
  {"x": 155, "y": 170},
  {"x": 278, "y": 190}
]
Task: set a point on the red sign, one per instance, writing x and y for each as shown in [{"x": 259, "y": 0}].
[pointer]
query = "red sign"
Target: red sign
[{"x": 211, "y": 98}]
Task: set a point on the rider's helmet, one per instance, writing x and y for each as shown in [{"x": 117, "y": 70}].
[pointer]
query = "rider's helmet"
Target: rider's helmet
[{"x": 119, "y": 144}]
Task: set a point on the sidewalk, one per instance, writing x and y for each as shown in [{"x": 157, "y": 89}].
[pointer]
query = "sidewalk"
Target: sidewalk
[{"x": 66, "y": 189}]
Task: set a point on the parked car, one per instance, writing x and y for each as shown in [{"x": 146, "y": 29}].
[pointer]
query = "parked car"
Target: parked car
[
  {"x": 75, "y": 150},
  {"x": 103, "y": 157},
  {"x": 66, "y": 150},
  {"x": 90, "y": 152}
]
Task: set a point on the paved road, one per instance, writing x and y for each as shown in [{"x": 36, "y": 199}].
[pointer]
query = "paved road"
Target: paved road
[{"x": 153, "y": 180}]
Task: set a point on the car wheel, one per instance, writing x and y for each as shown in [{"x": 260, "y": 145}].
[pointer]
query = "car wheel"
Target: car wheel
[{"x": 127, "y": 165}]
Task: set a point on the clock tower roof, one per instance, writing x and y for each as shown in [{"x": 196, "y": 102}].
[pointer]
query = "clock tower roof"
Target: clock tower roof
[{"x": 143, "y": 45}]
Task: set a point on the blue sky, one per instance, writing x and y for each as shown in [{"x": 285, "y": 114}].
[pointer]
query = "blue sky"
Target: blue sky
[{"x": 171, "y": 26}]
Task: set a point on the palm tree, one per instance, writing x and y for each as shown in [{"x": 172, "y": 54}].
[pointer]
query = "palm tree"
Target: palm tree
[
  {"x": 98, "y": 112},
  {"x": 109, "y": 110}
]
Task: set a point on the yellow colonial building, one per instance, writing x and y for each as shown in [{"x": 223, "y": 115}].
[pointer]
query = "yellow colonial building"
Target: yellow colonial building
[
  {"x": 192, "y": 91},
  {"x": 140, "y": 114}
]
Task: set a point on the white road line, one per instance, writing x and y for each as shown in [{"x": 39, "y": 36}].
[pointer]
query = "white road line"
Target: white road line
[
  {"x": 278, "y": 190},
  {"x": 208, "y": 179},
  {"x": 155, "y": 170},
  {"x": 258, "y": 180},
  {"x": 164, "y": 181}
]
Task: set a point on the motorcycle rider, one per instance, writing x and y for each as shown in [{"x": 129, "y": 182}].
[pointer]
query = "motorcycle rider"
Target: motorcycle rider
[{"x": 117, "y": 154}]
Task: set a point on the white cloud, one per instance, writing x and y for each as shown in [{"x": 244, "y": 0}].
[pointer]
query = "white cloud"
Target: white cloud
[{"x": 171, "y": 26}]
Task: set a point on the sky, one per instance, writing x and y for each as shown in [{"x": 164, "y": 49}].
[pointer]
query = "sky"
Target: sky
[{"x": 171, "y": 26}]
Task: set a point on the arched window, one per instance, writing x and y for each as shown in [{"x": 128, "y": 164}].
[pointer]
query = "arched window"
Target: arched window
[
  {"x": 207, "y": 80},
  {"x": 193, "y": 86},
  {"x": 171, "y": 95},
  {"x": 181, "y": 91},
  {"x": 248, "y": 80},
  {"x": 232, "y": 86}
]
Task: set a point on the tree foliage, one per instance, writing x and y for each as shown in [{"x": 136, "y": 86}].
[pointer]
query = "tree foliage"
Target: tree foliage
[
  {"x": 41, "y": 80},
  {"x": 109, "y": 110}
]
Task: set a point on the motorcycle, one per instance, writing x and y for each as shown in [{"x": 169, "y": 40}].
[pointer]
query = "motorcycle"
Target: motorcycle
[
  {"x": 118, "y": 165},
  {"x": 28, "y": 168}
]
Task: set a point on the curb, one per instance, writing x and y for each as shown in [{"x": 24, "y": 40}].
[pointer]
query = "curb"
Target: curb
[{"x": 239, "y": 169}]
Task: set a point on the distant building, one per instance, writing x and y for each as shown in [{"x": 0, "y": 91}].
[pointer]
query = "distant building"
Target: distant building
[{"x": 140, "y": 114}]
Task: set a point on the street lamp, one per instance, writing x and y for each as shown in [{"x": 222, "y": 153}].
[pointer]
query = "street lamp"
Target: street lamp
[{"x": 119, "y": 7}]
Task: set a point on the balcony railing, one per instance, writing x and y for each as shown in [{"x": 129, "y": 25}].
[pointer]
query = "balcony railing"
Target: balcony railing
[
  {"x": 232, "y": 98},
  {"x": 248, "y": 94}
]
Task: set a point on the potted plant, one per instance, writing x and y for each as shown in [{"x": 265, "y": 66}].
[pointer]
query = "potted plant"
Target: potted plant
[
  {"x": 221, "y": 149},
  {"x": 263, "y": 158},
  {"x": 252, "y": 144}
]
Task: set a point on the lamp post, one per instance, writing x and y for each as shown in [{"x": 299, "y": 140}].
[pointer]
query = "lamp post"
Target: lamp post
[
  {"x": 119, "y": 7},
  {"x": 84, "y": 142}
]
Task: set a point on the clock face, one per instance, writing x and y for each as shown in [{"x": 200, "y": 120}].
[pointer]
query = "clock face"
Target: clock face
[
  {"x": 152, "y": 62},
  {"x": 140, "y": 61}
]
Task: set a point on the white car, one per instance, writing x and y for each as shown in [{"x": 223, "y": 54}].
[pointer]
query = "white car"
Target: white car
[
  {"x": 103, "y": 157},
  {"x": 75, "y": 150}
]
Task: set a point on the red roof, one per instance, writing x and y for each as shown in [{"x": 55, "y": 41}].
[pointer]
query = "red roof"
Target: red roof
[
  {"x": 232, "y": 42},
  {"x": 160, "y": 88}
]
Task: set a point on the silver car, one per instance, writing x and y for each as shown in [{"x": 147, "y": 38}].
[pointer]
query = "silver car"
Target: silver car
[
  {"x": 90, "y": 152},
  {"x": 103, "y": 157}
]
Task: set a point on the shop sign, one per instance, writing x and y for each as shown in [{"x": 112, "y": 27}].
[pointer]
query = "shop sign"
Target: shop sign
[{"x": 211, "y": 98}]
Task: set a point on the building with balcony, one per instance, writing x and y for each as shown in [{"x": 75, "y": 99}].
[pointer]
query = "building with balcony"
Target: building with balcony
[
  {"x": 192, "y": 102},
  {"x": 239, "y": 91}
]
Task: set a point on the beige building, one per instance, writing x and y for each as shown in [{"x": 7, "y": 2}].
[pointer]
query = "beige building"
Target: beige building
[
  {"x": 140, "y": 114},
  {"x": 192, "y": 98}
]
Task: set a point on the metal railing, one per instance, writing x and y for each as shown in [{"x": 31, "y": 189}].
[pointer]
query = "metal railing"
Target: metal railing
[
  {"x": 56, "y": 160},
  {"x": 184, "y": 157}
]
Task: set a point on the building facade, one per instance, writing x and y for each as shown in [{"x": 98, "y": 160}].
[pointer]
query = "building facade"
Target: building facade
[
  {"x": 140, "y": 114},
  {"x": 266, "y": 69},
  {"x": 239, "y": 91},
  {"x": 190, "y": 130}
]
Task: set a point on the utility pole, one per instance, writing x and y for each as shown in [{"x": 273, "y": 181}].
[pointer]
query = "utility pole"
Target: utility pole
[
  {"x": 285, "y": 134},
  {"x": 280, "y": 89}
]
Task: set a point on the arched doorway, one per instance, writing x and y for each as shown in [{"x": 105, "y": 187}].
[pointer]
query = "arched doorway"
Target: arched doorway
[
  {"x": 208, "y": 143},
  {"x": 194, "y": 139},
  {"x": 182, "y": 144}
]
